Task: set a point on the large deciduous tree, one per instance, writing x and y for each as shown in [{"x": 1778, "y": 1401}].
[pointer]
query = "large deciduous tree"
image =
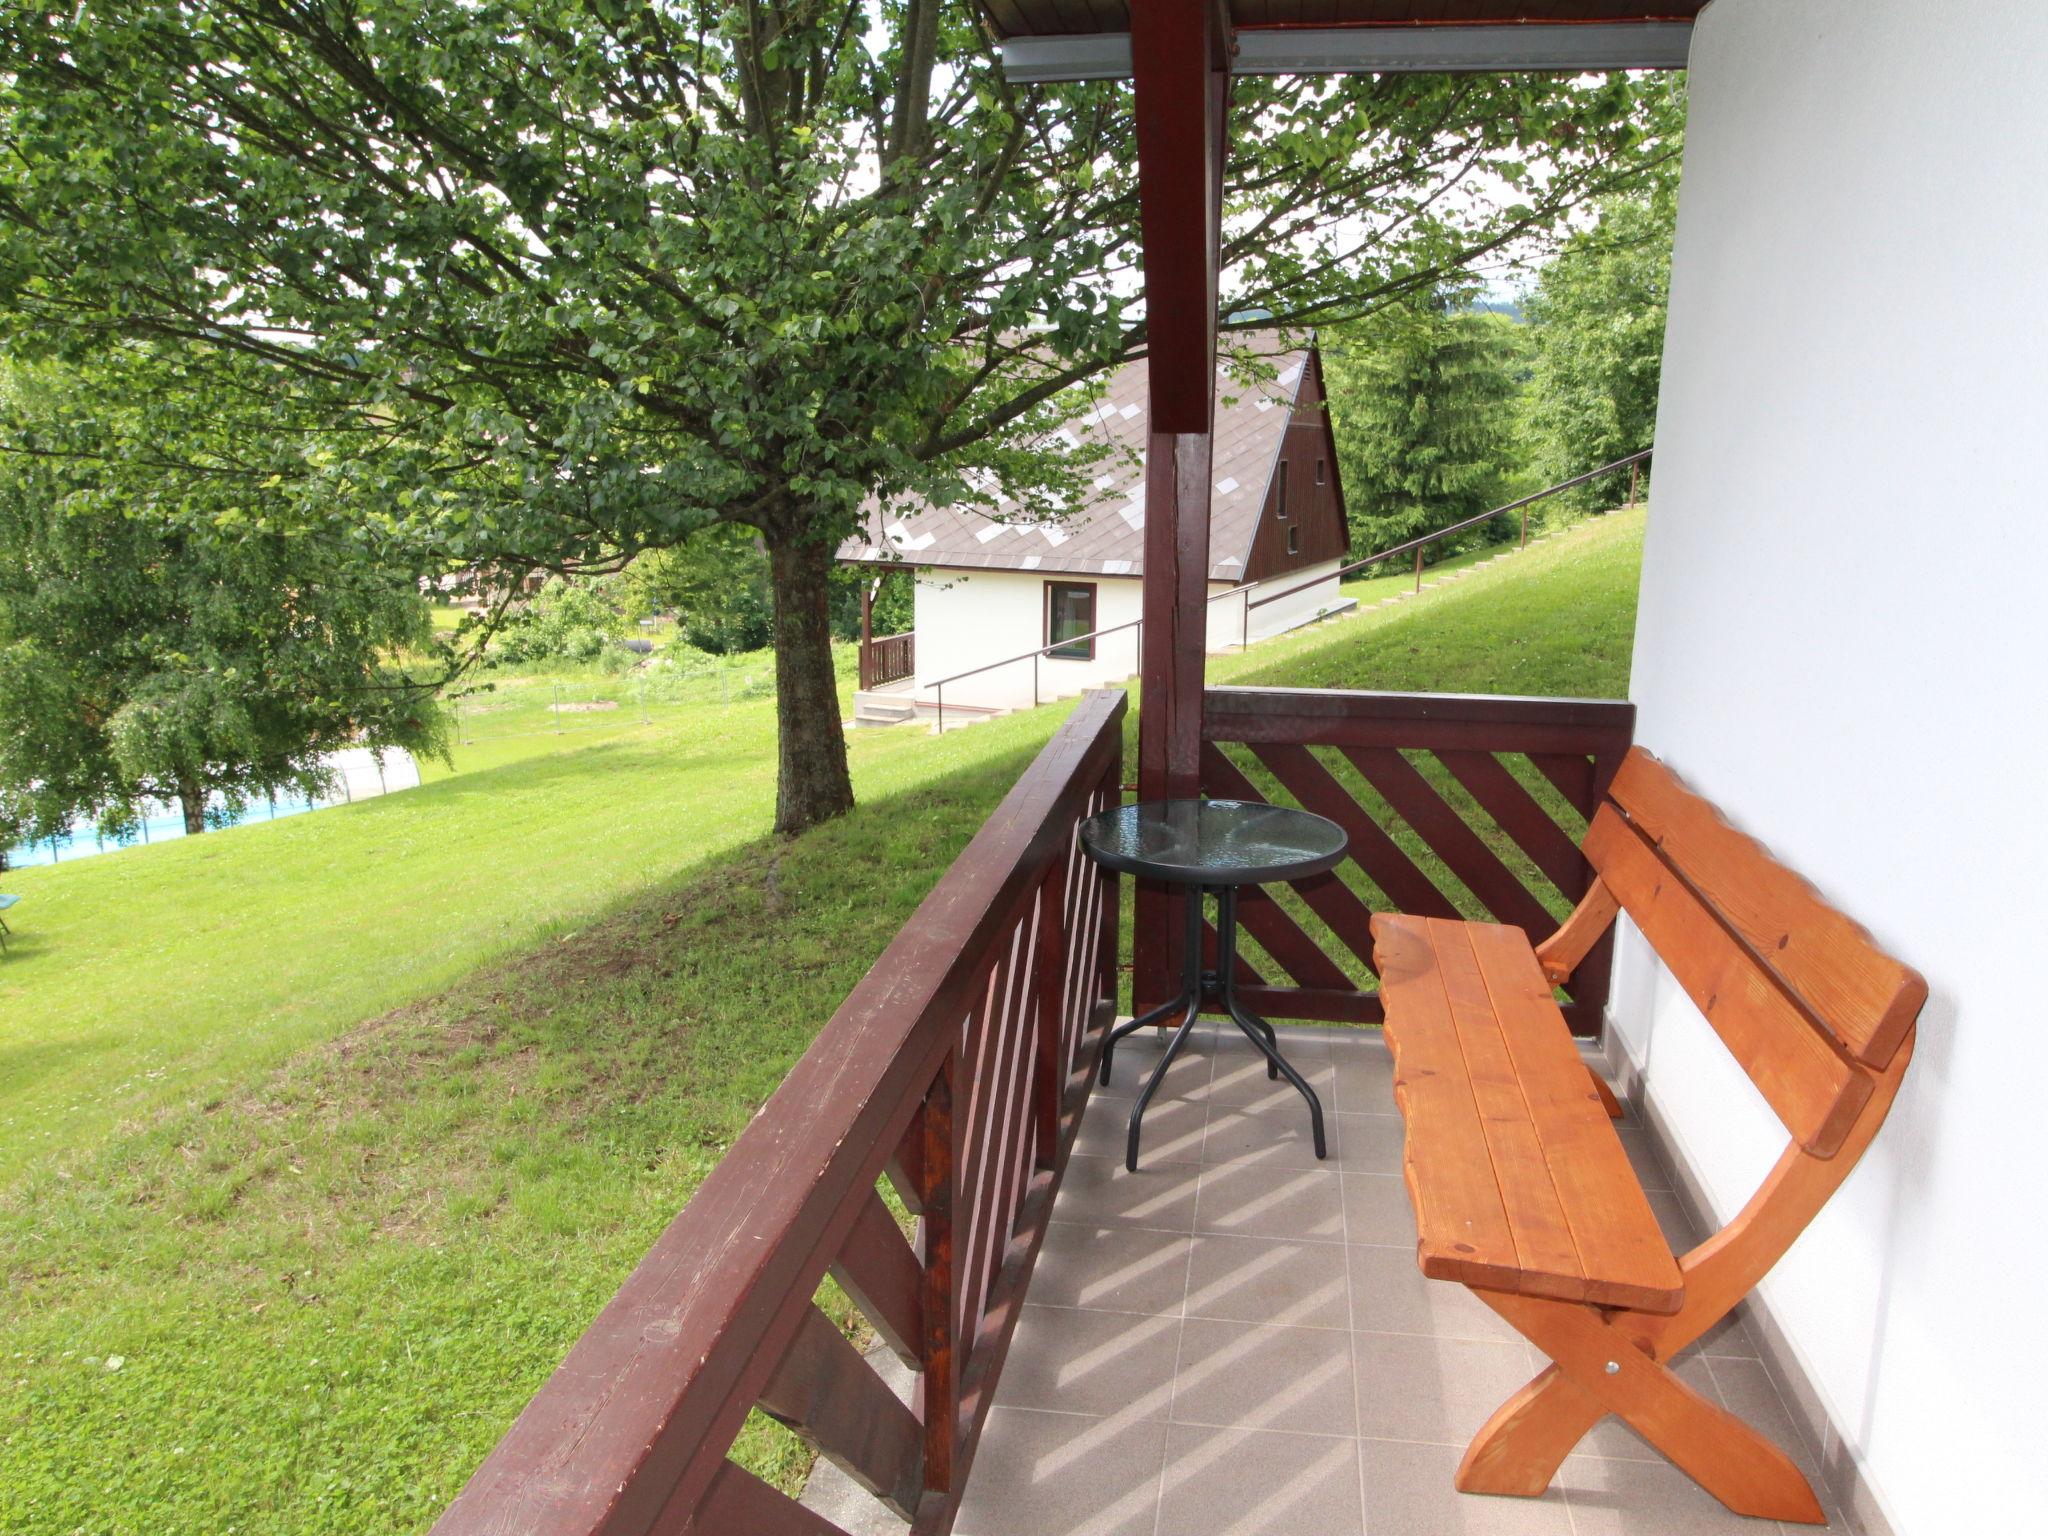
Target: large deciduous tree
[
  {"x": 151, "y": 654},
  {"x": 577, "y": 279}
]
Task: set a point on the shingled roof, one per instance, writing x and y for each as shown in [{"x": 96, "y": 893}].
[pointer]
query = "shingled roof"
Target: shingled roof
[{"x": 1106, "y": 536}]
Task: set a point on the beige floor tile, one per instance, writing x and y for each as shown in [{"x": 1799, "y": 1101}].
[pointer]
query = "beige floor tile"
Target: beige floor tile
[
  {"x": 1037, "y": 1473},
  {"x": 1280, "y": 1137},
  {"x": 1748, "y": 1392},
  {"x": 1438, "y": 1390},
  {"x": 1268, "y": 1280},
  {"x": 1251, "y": 1377},
  {"x": 1368, "y": 1143},
  {"x": 1137, "y": 1058},
  {"x": 1111, "y": 1269},
  {"x": 1271, "y": 1202},
  {"x": 1376, "y": 1210},
  {"x": 1114, "y": 1364},
  {"x": 1101, "y": 1192},
  {"x": 1247, "y": 1482},
  {"x": 1671, "y": 1218},
  {"x": 1641, "y": 1498},
  {"x": 1642, "y": 1157},
  {"x": 1365, "y": 1079},
  {"x": 1389, "y": 1294},
  {"x": 1730, "y": 1337},
  {"x": 1409, "y": 1492},
  {"x": 1240, "y": 1077},
  {"x": 1172, "y": 1134},
  {"x": 1310, "y": 1039}
]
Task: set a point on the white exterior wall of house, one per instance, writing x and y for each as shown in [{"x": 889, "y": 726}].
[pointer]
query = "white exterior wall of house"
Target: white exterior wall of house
[
  {"x": 965, "y": 619},
  {"x": 1841, "y": 642}
]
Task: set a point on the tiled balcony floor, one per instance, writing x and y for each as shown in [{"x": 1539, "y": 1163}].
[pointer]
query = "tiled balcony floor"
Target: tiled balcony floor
[{"x": 1235, "y": 1341}]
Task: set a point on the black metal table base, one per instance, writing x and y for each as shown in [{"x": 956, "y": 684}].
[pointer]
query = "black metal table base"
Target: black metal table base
[{"x": 1196, "y": 984}]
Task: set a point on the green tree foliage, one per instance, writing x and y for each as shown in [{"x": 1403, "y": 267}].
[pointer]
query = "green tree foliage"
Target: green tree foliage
[
  {"x": 555, "y": 279},
  {"x": 1597, "y": 316},
  {"x": 148, "y": 656},
  {"x": 1422, "y": 400},
  {"x": 569, "y": 619},
  {"x": 715, "y": 583}
]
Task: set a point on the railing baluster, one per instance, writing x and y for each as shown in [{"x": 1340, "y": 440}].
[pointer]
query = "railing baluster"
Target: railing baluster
[
  {"x": 877, "y": 1268},
  {"x": 941, "y": 1281},
  {"x": 834, "y": 1400},
  {"x": 1050, "y": 1078}
]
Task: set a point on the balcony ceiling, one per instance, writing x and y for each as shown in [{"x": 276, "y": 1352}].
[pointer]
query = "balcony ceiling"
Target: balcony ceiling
[{"x": 1057, "y": 18}]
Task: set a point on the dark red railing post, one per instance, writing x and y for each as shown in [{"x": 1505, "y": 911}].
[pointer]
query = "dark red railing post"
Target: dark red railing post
[
  {"x": 940, "y": 1294},
  {"x": 867, "y": 634}
]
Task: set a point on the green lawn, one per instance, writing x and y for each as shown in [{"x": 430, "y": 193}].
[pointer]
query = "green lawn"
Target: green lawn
[{"x": 317, "y": 1152}]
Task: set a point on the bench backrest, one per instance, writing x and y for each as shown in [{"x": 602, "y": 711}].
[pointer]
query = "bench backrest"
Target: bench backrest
[{"x": 1800, "y": 994}]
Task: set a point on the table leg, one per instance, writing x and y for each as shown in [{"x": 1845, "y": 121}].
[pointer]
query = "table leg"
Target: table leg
[
  {"x": 1256, "y": 1029},
  {"x": 1190, "y": 999}
]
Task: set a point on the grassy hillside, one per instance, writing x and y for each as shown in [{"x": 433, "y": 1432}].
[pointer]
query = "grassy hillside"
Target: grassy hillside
[{"x": 318, "y": 1152}]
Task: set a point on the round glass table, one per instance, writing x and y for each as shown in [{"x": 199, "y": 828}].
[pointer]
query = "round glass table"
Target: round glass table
[{"x": 1212, "y": 847}]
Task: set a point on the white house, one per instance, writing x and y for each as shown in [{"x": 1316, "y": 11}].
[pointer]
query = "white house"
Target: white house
[{"x": 1036, "y": 610}]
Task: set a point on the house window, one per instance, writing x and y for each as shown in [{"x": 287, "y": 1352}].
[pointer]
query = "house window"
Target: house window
[
  {"x": 1281, "y": 498},
  {"x": 1294, "y": 541},
  {"x": 1070, "y": 620},
  {"x": 1320, "y": 472}
]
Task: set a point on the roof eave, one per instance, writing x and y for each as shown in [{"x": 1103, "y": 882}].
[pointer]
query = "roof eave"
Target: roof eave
[{"x": 1470, "y": 48}]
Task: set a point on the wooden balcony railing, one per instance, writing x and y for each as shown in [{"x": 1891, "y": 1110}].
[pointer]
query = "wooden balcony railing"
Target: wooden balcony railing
[
  {"x": 1456, "y": 805},
  {"x": 955, "y": 1073},
  {"x": 885, "y": 658}
]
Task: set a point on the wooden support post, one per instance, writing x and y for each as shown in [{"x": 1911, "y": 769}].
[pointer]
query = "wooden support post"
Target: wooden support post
[
  {"x": 1181, "y": 81},
  {"x": 867, "y": 633},
  {"x": 1418, "y": 568}
]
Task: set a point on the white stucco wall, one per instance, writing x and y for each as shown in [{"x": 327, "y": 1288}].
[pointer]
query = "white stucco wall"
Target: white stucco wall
[
  {"x": 1842, "y": 642},
  {"x": 965, "y": 619}
]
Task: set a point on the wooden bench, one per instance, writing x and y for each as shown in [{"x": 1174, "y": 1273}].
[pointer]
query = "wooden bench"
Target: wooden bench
[{"x": 1521, "y": 1187}]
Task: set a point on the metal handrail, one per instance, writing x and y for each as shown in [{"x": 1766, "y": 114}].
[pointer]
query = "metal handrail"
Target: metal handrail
[{"x": 1417, "y": 545}]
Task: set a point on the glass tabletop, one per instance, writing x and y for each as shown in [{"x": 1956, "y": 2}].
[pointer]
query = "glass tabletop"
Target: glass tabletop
[{"x": 1213, "y": 842}]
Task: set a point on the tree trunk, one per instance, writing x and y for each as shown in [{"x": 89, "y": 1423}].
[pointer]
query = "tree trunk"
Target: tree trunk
[
  {"x": 812, "y": 783},
  {"x": 192, "y": 796}
]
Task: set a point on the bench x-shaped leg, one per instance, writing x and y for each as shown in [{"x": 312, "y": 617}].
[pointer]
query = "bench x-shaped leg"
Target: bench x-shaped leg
[
  {"x": 1526, "y": 1441},
  {"x": 1608, "y": 1362}
]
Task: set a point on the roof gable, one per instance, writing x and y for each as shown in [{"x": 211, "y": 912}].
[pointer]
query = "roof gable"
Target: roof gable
[{"x": 1106, "y": 535}]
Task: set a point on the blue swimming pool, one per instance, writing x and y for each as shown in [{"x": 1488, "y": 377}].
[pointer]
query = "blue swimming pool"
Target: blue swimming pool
[{"x": 358, "y": 775}]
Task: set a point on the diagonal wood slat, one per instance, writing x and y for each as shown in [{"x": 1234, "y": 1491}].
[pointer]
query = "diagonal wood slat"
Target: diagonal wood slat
[
  {"x": 1577, "y": 745},
  {"x": 1327, "y": 896},
  {"x": 739, "y": 1501},
  {"x": 1574, "y": 776},
  {"x": 1517, "y": 813},
  {"x": 1383, "y": 860},
  {"x": 1280, "y": 936},
  {"x": 834, "y": 1400},
  {"x": 877, "y": 1268},
  {"x": 1416, "y": 801}
]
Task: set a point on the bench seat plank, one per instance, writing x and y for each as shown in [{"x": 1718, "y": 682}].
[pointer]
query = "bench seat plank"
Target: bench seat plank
[{"x": 1519, "y": 1181}]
